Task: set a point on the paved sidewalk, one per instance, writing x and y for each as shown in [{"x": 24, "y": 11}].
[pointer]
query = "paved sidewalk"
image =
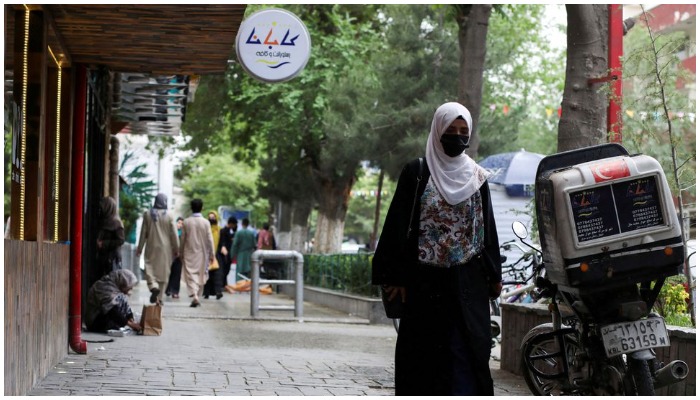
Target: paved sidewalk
[{"x": 218, "y": 349}]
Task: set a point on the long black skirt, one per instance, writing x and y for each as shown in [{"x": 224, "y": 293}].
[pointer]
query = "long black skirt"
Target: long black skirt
[{"x": 444, "y": 341}]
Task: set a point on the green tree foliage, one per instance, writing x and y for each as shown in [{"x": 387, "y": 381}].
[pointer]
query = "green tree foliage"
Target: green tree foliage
[
  {"x": 135, "y": 196},
  {"x": 419, "y": 67},
  {"x": 659, "y": 122},
  {"x": 308, "y": 132},
  {"x": 220, "y": 181},
  {"x": 525, "y": 72},
  {"x": 375, "y": 76},
  {"x": 653, "y": 67},
  {"x": 672, "y": 302},
  {"x": 417, "y": 70},
  {"x": 360, "y": 218}
]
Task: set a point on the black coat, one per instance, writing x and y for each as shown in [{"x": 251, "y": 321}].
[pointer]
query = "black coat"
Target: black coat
[
  {"x": 109, "y": 257},
  {"x": 436, "y": 300}
]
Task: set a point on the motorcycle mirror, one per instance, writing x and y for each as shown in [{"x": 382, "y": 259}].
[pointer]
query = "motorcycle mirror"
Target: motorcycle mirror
[{"x": 519, "y": 229}]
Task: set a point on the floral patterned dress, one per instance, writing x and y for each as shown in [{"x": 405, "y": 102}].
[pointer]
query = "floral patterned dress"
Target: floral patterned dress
[{"x": 449, "y": 235}]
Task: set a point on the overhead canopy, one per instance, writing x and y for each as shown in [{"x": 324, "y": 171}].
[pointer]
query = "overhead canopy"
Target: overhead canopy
[
  {"x": 146, "y": 45},
  {"x": 159, "y": 39}
]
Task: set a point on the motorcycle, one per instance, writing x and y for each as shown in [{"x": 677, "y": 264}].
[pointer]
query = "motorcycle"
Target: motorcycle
[{"x": 598, "y": 279}]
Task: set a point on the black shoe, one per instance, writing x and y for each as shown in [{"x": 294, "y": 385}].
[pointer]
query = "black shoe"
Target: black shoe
[
  {"x": 154, "y": 295},
  {"x": 195, "y": 303},
  {"x": 206, "y": 296},
  {"x": 219, "y": 296}
]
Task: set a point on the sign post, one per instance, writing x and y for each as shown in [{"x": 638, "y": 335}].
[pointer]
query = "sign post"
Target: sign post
[{"x": 273, "y": 45}]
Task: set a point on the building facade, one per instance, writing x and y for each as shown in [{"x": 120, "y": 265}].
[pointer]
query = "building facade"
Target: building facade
[{"x": 76, "y": 76}]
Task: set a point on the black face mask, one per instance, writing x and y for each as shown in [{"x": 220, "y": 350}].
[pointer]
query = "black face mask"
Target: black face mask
[
  {"x": 212, "y": 221},
  {"x": 454, "y": 145}
]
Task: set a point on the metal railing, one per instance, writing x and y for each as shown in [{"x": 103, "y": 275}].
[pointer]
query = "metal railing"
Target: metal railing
[{"x": 256, "y": 259}]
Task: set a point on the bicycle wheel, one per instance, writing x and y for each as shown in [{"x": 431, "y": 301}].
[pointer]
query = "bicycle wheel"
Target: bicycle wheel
[{"x": 542, "y": 362}]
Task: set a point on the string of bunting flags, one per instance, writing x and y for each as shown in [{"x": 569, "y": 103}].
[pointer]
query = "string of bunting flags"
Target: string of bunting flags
[{"x": 643, "y": 115}]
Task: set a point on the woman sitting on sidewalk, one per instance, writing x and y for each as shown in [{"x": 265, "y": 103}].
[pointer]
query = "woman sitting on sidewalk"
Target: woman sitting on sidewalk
[{"x": 108, "y": 303}]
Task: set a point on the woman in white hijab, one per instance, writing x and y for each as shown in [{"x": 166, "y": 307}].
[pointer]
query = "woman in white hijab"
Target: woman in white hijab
[{"x": 439, "y": 253}]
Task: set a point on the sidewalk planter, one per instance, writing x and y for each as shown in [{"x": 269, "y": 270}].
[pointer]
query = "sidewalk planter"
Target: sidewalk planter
[
  {"x": 518, "y": 319},
  {"x": 368, "y": 308},
  {"x": 343, "y": 282}
]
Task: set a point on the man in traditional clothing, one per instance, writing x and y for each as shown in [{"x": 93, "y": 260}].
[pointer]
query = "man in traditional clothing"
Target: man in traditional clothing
[
  {"x": 196, "y": 251},
  {"x": 160, "y": 239},
  {"x": 242, "y": 248}
]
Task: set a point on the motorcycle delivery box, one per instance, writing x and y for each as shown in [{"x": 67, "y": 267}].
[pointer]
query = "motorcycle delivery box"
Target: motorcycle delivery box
[
  {"x": 607, "y": 223},
  {"x": 608, "y": 230}
]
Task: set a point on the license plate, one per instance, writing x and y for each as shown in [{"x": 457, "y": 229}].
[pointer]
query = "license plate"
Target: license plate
[{"x": 627, "y": 337}]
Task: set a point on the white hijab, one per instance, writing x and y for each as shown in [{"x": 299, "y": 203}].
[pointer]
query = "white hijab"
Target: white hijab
[{"x": 456, "y": 178}]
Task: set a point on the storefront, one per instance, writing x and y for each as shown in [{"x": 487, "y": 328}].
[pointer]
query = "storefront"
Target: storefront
[{"x": 70, "y": 71}]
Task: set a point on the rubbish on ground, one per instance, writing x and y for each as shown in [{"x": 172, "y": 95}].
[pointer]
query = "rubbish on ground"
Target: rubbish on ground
[
  {"x": 244, "y": 286},
  {"x": 121, "y": 332}
]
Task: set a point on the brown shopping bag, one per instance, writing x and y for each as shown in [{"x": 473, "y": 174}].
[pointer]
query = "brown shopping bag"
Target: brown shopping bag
[{"x": 151, "y": 322}]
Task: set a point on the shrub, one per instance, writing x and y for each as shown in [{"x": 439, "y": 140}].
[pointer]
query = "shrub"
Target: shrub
[
  {"x": 346, "y": 273},
  {"x": 672, "y": 302}
]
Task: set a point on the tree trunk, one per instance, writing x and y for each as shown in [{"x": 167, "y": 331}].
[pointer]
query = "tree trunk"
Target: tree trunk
[
  {"x": 293, "y": 228},
  {"x": 583, "y": 120},
  {"x": 332, "y": 208},
  {"x": 377, "y": 212},
  {"x": 300, "y": 226},
  {"x": 283, "y": 233},
  {"x": 473, "y": 22}
]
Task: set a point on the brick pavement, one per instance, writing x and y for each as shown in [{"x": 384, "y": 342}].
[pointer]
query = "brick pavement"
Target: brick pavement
[{"x": 217, "y": 349}]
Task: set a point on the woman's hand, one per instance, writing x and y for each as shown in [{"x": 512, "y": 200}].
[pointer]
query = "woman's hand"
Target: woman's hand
[
  {"x": 394, "y": 291},
  {"x": 496, "y": 289},
  {"x": 134, "y": 325}
]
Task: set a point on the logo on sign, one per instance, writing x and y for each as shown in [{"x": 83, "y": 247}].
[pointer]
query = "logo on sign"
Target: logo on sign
[
  {"x": 610, "y": 170},
  {"x": 273, "y": 45}
]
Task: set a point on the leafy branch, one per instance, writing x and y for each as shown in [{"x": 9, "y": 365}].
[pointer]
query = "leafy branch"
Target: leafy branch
[{"x": 658, "y": 54}]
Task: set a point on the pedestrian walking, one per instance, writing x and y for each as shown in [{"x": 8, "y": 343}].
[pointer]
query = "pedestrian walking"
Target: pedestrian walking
[
  {"x": 214, "y": 286},
  {"x": 243, "y": 246},
  {"x": 439, "y": 252},
  {"x": 270, "y": 269},
  {"x": 176, "y": 267},
  {"x": 159, "y": 237},
  {"x": 266, "y": 241},
  {"x": 110, "y": 237},
  {"x": 222, "y": 249},
  {"x": 108, "y": 302},
  {"x": 196, "y": 251}
]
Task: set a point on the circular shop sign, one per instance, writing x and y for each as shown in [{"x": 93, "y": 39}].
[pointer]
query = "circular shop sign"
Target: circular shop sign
[{"x": 273, "y": 45}]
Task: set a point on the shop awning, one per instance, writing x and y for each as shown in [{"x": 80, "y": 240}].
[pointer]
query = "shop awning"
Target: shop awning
[{"x": 145, "y": 45}]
